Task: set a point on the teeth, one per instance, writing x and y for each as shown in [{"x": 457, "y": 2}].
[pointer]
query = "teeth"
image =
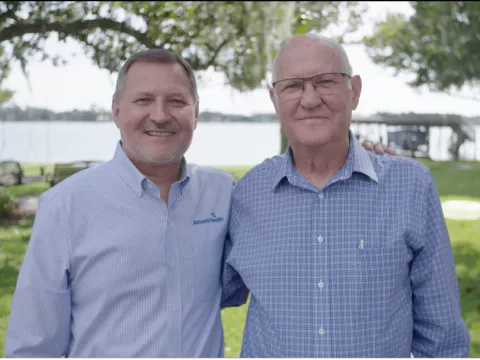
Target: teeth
[{"x": 159, "y": 133}]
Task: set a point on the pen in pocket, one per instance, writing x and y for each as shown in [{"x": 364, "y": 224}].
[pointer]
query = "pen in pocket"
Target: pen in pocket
[{"x": 361, "y": 246}]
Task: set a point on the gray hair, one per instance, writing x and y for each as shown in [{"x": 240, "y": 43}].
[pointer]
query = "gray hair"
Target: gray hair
[
  {"x": 154, "y": 55},
  {"x": 345, "y": 65}
]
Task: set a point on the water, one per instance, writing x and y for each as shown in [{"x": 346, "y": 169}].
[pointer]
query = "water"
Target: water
[{"x": 215, "y": 144}]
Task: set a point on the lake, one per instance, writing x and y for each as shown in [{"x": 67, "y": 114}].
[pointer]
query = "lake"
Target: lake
[{"x": 214, "y": 144}]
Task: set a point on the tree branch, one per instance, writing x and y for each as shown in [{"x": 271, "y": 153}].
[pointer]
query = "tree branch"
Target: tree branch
[
  {"x": 215, "y": 53},
  {"x": 9, "y": 14},
  {"x": 40, "y": 26}
]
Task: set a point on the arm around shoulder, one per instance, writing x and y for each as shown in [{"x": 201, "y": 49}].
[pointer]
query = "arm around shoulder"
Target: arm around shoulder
[
  {"x": 234, "y": 291},
  {"x": 39, "y": 324}
]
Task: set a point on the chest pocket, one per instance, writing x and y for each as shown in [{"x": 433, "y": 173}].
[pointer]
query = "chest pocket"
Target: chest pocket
[
  {"x": 381, "y": 263},
  {"x": 381, "y": 278}
]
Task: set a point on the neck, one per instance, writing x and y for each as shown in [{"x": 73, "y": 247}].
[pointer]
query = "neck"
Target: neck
[
  {"x": 163, "y": 175},
  {"x": 319, "y": 163}
]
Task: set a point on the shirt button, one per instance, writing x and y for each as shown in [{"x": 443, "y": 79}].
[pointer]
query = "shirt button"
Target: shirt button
[
  {"x": 321, "y": 196},
  {"x": 321, "y": 331},
  {"x": 320, "y": 284},
  {"x": 320, "y": 239}
]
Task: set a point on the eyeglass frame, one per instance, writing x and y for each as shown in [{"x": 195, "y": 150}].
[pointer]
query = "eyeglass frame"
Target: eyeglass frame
[{"x": 311, "y": 78}]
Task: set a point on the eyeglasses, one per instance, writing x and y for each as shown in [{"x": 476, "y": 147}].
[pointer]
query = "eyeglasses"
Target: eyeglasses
[{"x": 325, "y": 84}]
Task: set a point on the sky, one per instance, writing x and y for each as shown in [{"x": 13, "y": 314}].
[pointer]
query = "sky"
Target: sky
[{"x": 82, "y": 85}]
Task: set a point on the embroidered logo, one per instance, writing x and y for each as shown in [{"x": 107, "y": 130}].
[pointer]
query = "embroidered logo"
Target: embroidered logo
[{"x": 212, "y": 218}]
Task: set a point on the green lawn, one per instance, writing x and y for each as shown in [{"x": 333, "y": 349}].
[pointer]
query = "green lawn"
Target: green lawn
[
  {"x": 33, "y": 169},
  {"x": 451, "y": 181},
  {"x": 35, "y": 188}
]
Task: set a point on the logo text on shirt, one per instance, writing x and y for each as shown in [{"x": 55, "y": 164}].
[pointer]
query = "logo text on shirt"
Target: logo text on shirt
[{"x": 212, "y": 218}]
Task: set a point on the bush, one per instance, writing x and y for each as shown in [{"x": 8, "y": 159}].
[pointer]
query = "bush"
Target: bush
[{"x": 7, "y": 201}]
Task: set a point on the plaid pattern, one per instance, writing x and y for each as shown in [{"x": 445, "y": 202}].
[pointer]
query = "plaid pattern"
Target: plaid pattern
[{"x": 360, "y": 268}]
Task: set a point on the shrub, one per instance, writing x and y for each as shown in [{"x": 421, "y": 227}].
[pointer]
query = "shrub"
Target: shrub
[{"x": 7, "y": 201}]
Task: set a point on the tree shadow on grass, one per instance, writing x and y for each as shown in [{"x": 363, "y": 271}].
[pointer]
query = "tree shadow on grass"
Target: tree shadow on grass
[{"x": 467, "y": 260}]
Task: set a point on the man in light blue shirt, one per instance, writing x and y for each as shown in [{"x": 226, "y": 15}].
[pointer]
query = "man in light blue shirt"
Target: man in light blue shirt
[
  {"x": 345, "y": 253},
  {"x": 125, "y": 258}
]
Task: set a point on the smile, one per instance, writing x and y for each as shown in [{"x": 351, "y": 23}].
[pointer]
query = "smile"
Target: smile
[
  {"x": 313, "y": 119},
  {"x": 159, "y": 133}
]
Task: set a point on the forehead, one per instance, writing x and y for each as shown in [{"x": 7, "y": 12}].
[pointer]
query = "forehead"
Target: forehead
[
  {"x": 154, "y": 76},
  {"x": 306, "y": 59}
]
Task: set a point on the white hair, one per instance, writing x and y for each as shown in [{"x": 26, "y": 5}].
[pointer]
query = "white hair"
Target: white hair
[{"x": 345, "y": 65}]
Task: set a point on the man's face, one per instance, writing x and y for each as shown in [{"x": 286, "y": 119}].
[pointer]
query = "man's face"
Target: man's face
[
  {"x": 317, "y": 115},
  {"x": 157, "y": 113}
]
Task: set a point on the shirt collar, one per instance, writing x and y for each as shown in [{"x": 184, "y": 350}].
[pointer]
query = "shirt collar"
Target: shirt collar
[
  {"x": 133, "y": 177},
  {"x": 285, "y": 169},
  {"x": 358, "y": 160},
  {"x": 362, "y": 162}
]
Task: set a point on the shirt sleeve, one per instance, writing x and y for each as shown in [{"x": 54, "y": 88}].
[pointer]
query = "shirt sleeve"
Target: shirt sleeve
[
  {"x": 439, "y": 330},
  {"x": 39, "y": 324},
  {"x": 234, "y": 291}
]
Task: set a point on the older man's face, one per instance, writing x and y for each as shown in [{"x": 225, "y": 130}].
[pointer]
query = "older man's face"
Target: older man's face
[
  {"x": 317, "y": 115},
  {"x": 156, "y": 113}
]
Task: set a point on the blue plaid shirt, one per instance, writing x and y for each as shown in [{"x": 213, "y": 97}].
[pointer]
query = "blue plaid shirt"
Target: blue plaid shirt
[{"x": 360, "y": 268}]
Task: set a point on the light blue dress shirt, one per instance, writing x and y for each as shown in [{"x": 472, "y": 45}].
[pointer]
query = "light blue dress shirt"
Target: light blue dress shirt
[
  {"x": 111, "y": 271},
  {"x": 360, "y": 268}
]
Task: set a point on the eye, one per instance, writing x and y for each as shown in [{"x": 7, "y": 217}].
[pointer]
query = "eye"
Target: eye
[
  {"x": 292, "y": 86},
  {"x": 142, "y": 101},
  {"x": 177, "y": 101}
]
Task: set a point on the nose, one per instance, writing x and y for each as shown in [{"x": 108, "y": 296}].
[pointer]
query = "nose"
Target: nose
[
  {"x": 310, "y": 97},
  {"x": 159, "y": 112}
]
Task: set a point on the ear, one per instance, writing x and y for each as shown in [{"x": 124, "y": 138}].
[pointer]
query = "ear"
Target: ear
[
  {"x": 197, "y": 106},
  {"x": 116, "y": 113},
  {"x": 356, "y": 90},
  {"x": 273, "y": 99}
]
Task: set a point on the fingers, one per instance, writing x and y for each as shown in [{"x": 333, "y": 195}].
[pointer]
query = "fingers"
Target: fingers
[
  {"x": 379, "y": 149},
  {"x": 367, "y": 144},
  {"x": 390, "y": 150}
]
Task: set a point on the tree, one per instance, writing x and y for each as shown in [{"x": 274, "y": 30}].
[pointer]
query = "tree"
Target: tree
[
  {"x": 5, "y": 95},
  {"x": 237, "y": 38},
  {"x": 439, "y": 44}
]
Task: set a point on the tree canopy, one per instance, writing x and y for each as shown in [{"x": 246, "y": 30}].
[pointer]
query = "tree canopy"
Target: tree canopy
[
  {"x": 236, "y": 38},
  {"x": 439, "y": 44}
]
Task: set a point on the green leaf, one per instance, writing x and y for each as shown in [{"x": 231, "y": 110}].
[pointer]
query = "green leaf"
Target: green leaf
[{"x": 439, "y": 44}]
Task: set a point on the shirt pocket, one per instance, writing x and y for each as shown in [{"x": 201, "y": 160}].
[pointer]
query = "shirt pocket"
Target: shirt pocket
[
  {"x": 381, "y": 267},
  {"x": 381, "y": 282}
]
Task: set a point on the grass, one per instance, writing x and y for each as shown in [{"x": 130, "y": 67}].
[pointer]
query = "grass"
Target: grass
[
  {"x": 33, "y": 169},
  {"x": 13, "y": 243},
  {"x": 34, "y": 188},
  {"x": 452, "y": 182}
]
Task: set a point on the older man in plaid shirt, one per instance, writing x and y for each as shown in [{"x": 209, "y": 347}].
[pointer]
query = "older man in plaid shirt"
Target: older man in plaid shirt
[{"x": 345, "y": 252}]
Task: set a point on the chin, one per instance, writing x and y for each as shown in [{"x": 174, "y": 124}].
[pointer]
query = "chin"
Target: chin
[
  {"x": 164, "y": 159},
  {"x": 314, "y": 138},
  {"x": 158, "y": 154}
]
